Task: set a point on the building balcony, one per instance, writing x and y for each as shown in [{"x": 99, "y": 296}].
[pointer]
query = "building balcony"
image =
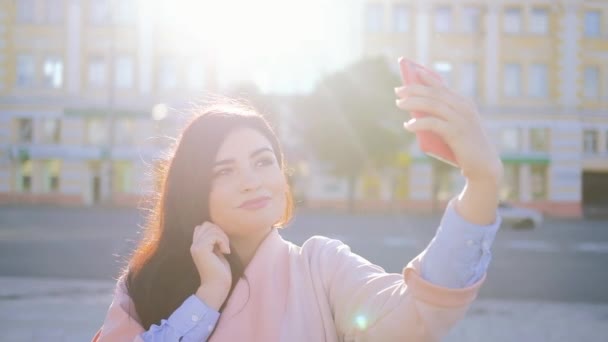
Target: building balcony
[{"x": 51, "y": 151}]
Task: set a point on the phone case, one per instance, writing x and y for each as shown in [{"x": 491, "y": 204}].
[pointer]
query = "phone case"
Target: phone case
[{"x": 429, "y": 142}]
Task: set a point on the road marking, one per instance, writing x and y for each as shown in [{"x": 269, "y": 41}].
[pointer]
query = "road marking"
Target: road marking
[
  {"x": 591, "y": 247},
  {"x": 544, "y": 246},
  {"x": 532, "y": 245}
]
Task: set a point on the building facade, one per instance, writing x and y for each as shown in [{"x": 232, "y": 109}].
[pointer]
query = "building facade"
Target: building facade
[
  {"x": 84, "y": 83},
  {"x": 538, "y": 71},
  {"x": 83, "y": 87}
]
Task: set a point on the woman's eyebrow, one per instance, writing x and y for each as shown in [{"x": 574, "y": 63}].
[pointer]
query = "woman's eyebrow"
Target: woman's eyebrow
[{"x": 253, "y": 154}]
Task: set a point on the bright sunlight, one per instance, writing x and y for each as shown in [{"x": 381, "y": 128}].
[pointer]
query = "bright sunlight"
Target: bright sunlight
[{"x": 255, "y": 40}]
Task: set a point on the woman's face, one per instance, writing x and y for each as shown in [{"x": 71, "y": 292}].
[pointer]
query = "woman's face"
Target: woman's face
[{"x": 248, "y": 187}]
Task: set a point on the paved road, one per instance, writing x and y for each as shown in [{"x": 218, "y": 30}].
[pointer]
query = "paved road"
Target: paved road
[
  {"x": 48, "y": 309},
  {"x": 563, "y": 261}
]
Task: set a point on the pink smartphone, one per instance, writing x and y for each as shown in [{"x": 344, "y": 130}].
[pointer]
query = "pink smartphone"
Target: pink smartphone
[{"x": 429, "y": 142}]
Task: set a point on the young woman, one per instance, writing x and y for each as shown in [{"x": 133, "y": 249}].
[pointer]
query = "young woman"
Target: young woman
[{"x": 213, "y": 266}]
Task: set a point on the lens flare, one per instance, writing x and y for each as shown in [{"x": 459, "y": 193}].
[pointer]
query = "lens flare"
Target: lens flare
[{"x": 361, "y": 322}]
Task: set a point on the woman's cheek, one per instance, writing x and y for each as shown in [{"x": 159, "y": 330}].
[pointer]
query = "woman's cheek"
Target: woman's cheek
[{"x": 221, "y": 200}]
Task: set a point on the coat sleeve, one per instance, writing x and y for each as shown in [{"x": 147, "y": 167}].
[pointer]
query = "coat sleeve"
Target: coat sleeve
[
  {"x": 121, "y": 323},
  {"x": 192, "y": 321},
  {"x": 369, "y": 304}
]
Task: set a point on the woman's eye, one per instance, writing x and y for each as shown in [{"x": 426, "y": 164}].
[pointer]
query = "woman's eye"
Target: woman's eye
[
  {"x": 222, "y": 172},
  {"x": 265, "y": 161}
]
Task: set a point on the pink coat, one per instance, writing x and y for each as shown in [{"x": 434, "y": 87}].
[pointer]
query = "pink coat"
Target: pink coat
[{"x": 319, "y": 292}]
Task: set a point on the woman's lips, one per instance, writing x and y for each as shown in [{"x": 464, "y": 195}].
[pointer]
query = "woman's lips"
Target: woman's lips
[{"x": 256, "y": 203}]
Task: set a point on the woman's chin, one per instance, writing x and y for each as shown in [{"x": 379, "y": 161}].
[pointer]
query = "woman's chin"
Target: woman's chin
[{"x": 253, "y": 223}]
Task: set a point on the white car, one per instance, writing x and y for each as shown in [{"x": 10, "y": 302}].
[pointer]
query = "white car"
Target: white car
[{"x": 519, "y": 217}]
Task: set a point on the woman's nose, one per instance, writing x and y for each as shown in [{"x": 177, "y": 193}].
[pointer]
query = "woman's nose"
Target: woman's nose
[{"x": 250, "y": 180}]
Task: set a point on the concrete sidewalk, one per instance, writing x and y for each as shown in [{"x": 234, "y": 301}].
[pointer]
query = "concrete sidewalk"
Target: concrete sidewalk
[{"x": 42, "y": 309}]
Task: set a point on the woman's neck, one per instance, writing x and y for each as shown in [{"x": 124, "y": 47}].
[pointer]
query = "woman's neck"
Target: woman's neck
[{"x": 244, "y": 248}]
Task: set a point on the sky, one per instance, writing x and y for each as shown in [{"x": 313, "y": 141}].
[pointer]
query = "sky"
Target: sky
[{"x": 284, "y": 46}]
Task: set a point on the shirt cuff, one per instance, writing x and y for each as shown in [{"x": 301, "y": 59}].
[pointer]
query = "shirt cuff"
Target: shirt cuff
[
  {"x": 193, "y": 313},
  {"x": 459, "y": 254}
]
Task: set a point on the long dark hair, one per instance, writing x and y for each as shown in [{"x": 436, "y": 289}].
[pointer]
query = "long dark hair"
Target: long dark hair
[{"x": 161, "y": 273}]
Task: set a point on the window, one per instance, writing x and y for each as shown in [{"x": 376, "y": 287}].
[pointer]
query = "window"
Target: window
[
  {"x": 374, "y": 17},
  {"x": 54, "y": 10},
  {"x": 25, "y": 11},
  {"x": 510, "y": 188},
  {"x": 443, "y": 19},
  {"x": 539, "y": 21},
  {"x": 124, "y": 12},
  {"x": 469, "y": 82},
  {"x": 167, "y": 73},
  {"x": 26, "y": 71},
  {"x": 26, "y": 132},
  {"x": 445, "y": 186},
  {"x": 512, "y": 85},
  {"x": 510, "y": 139},
  {"x": 401, "y": 19},
  {"x": 590, "y": 138},
  {"x": 99, "y": 12},
  {"x": 52, "y": 170},
  {"x": 53, "y": 72},
  {"x": 371, "y": 187},
  {"x": 97, "y": 131},
  {"x": 539, "y": 140},
  {"x": 25, "y": 176},
  {"x": 97, "y": 72},
  {"x": 591, "y": 85},
  {"x": 51, "y": 130},
  {"x": 124, "y": 131},
  {"x": 122, "y": 177},
  {"x": 471, "y": 19},
  {"x": 444, "y": 69},
  {"x": 196, "y": 75},
  {"x": 538, "y": 80},
  {"x": 512, "y": 20},
  {"x": 402, "y": 185},
  {"x": 592, "y": 23},
  {"x": 538, "y": 175},
  {"x": 123, "y": 74}
]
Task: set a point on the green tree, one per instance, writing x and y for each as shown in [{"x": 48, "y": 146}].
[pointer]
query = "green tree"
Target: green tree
[{"x": 350, "y": 120}]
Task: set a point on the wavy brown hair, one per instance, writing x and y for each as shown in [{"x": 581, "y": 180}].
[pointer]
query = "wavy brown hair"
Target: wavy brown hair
[{"x": 161, "y": 273}]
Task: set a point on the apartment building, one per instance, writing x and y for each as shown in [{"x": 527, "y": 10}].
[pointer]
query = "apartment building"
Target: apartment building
[
  {"x": 538, "y": 71},
  {"x": 84, "y": 86}
]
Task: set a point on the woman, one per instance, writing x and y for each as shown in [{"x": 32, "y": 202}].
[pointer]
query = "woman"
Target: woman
[{"x": 213, "y": 266}]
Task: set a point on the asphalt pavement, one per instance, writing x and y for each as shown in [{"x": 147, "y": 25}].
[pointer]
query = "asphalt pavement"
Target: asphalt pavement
[{"x": 58, "y": 265}]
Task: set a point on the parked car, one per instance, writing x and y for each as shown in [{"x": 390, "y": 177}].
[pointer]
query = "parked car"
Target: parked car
[{"x": 519, "y": 217}]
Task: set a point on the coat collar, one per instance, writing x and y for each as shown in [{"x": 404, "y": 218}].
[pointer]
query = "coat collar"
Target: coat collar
[{"x": 266, "y": 278}]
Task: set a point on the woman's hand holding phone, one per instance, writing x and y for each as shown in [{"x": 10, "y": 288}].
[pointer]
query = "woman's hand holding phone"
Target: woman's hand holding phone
[{"x": 447, "y": 125}]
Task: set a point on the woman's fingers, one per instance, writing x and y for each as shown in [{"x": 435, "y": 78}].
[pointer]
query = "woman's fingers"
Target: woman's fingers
[
  {"x": 224, "y": 243},
  {"x": 427, "y": 105},
  {"x": 429, "y": 123},
  {"x": 428, "y": 79},
  {"x": 443, "y": 95},
  {"x": 436, "y": 91},
  {"x": 221, "y": 240},
  {"x": 213, "y": 235}
]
